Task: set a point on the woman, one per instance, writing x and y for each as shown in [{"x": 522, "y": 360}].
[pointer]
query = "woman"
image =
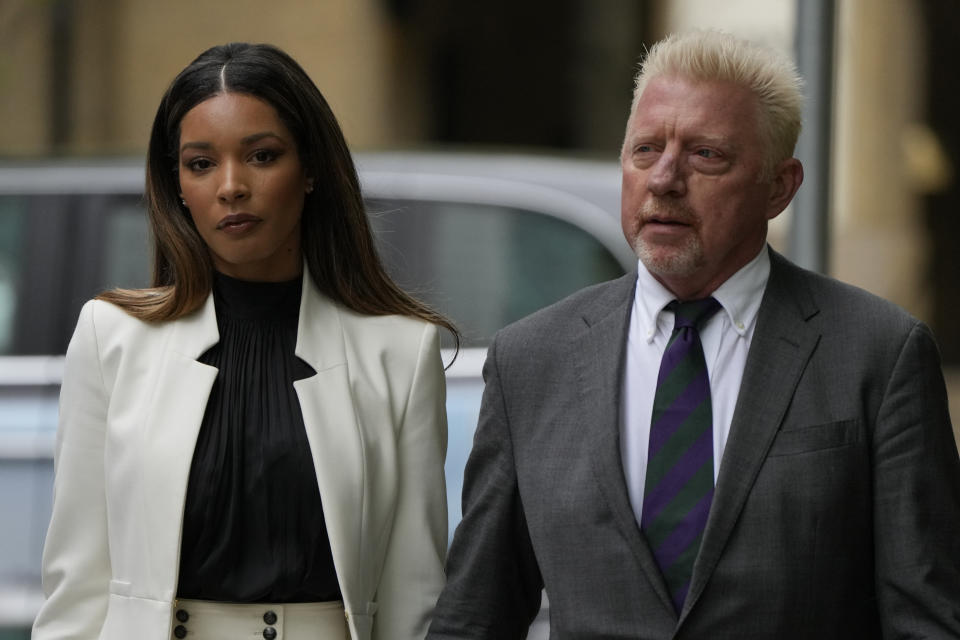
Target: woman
[{"x": 254, "y": 445}]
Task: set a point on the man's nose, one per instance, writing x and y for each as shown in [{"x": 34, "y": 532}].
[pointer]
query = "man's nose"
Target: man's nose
[
  {"x": 666, "y": 175},
  {"x": 233, "y": 185}
]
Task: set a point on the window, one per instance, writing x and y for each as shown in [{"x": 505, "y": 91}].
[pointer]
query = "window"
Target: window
[
  {"x": 486, "y": 266},
  {"x": 12, "y": 215},
  {"x": 56, "y": 252}
]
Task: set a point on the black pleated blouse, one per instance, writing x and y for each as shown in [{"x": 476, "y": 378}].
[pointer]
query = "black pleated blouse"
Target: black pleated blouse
[{"x": 253, "y": 528}]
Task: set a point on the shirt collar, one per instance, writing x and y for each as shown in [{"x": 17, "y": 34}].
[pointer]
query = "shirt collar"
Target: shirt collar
[{"x": 740, "y": 297}]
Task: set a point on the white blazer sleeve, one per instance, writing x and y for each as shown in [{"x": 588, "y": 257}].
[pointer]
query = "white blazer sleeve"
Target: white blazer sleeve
[
  {"x": 76, "y": 562},
  {"x": 413, "y": 575}
]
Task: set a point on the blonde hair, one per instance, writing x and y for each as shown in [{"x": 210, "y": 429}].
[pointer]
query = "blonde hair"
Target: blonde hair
[{"x": 716, "y": 56}]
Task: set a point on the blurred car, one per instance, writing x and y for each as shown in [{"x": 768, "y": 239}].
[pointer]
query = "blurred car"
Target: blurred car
[{"x": 486, "y": 239}]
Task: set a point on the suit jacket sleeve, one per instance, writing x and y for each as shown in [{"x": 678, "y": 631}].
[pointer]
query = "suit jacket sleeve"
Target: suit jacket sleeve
[
  {"x": 76, "y": 562},
  {"x": 412, "y": 575},
  {"x": 917, "y": 499},
  {"x": 493, "y": 582}
]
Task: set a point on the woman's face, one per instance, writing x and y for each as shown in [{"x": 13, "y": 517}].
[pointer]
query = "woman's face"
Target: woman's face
[{"x": 243, "y": 182}]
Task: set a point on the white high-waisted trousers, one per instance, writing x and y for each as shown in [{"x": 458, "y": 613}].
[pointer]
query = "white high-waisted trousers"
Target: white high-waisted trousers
[{"x": 205, "y": 620}]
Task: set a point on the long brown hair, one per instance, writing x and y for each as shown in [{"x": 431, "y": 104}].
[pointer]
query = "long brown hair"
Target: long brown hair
[{"x": 335, "y": 236}]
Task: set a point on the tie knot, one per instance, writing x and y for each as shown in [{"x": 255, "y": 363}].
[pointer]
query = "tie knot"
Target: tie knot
[{"x": 693, "y": 313}]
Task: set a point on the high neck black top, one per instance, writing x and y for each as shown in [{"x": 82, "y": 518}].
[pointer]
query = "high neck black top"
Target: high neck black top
[{"x": 253, "y": 527}]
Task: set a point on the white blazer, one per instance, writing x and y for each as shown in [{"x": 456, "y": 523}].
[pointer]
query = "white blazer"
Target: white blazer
[{"x": 132, "y": 401}]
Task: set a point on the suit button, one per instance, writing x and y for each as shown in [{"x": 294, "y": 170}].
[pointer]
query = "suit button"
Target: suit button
[
  {"x": 182, "y": 615},
  {"x": 180, "y": 631},
  {"x": 270, "y": 617},
  {"x": 269, "y": 633}
]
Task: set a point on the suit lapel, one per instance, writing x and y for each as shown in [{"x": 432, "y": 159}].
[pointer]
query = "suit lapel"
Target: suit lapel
[
  {"x": 601, "y": 363},
  {"x": 173, "y": 422},
  {"x": 333, "y": 431},
  {"x": 782, "y": 345}
]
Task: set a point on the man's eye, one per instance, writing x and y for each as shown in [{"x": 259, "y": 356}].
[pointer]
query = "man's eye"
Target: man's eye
[{"x": 707, "y": 153}]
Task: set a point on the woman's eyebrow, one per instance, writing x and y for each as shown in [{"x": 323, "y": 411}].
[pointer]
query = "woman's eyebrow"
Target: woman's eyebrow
[
  {"x": 246, "y": 140},
  {"x": 255, "y": 137},
  {"x": 195, "y": 145}
]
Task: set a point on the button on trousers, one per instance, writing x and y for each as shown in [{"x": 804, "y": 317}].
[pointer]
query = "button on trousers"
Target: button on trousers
[{"x": 205, "y": 620}]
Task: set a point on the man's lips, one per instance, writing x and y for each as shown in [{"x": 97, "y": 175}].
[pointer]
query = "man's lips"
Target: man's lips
[
  {"x": 676, "y": 222},
  {"x": 238, "y": 222},
  {"x": 664, "y": 229},
  {"x": 666, "y": 221},
  {"x": 665, "y": 213}
]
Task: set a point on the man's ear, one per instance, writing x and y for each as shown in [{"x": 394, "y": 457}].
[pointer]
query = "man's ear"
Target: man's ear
[{"x": 787, "y": 178}]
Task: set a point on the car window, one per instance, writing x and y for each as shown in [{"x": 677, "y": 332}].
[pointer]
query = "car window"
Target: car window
[
  {"x": 482, "y": 265},
  {"x": 57, "y": 251},
  {"x": 486, "y": 266},
  {"x": 126, "y": 260},
  {"x": 12, "y": 217}
]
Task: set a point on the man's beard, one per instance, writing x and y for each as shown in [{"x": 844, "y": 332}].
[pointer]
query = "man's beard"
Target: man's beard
[{"x": 677, "y": 260}]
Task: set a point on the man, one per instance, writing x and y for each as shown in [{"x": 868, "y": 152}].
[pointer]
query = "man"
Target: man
[{"x": 794, "y": 476}]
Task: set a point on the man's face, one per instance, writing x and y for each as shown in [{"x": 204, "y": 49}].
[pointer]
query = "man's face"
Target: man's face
[{"x": 693, "y": 204}]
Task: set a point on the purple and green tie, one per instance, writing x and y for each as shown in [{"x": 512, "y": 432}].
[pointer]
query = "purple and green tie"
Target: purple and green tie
[{"x": 679, "y": 480}]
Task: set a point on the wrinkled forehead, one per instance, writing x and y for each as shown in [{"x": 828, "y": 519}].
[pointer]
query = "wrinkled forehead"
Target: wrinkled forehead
[{"x": 723, "y": 107}]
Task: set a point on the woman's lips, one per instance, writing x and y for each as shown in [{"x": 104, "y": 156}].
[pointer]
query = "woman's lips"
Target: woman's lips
[{"x": 238, "y": 223}]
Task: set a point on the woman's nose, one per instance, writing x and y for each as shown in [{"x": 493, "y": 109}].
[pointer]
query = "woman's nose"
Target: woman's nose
[{"x": 234, "y": 185}]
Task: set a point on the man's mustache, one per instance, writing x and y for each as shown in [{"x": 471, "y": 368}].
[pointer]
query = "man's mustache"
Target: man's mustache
[{"x": 663, "y": 211}]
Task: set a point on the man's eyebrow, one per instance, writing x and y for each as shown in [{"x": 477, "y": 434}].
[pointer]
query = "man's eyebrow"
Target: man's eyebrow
[
  {"x": 721, "y": 142},
  {"x": 712, "y": 139}
]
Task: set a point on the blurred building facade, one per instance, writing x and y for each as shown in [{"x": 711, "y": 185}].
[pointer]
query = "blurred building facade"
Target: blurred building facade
[{"x": 84, "y": 77}]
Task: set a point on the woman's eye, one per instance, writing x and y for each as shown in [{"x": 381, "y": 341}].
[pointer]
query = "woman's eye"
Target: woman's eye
[
  {"x": 199, "y": 164},
  {"x": 264, "y": 155}
]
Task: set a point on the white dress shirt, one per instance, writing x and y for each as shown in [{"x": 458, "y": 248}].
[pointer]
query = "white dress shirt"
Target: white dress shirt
[{"x": 726, "y": 338}]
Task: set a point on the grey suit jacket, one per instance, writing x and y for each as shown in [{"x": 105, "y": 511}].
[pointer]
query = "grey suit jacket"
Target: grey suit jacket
[{"x": 837, "y": 506}]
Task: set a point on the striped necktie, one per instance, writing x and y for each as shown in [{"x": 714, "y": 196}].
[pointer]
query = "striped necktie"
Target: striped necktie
[{"x": 679, "y": 481}]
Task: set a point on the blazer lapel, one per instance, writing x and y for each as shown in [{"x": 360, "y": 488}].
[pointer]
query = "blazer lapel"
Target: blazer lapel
[
  {"x": 782, "y": 345},
  {"x": 173, "y": 422},
  {"x": 601, "y": 379},
  {"x": 333, "y": 432}
]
